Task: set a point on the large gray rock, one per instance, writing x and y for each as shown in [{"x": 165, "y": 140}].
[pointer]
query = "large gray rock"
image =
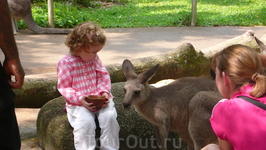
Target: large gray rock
[{"x": 55, "y": 133}]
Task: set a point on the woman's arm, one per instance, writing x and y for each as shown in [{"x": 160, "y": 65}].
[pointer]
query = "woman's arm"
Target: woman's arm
[{"x": 224, "y": 145}]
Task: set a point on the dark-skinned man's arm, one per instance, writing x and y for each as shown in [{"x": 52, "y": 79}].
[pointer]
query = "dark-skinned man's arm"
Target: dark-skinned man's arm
[{"x": 12, "y": 65}]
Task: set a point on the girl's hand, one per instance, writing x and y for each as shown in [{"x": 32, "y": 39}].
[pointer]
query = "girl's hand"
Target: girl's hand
[
  {"x": 87, "y": 105},
  {"x": 106, "y": 95}
]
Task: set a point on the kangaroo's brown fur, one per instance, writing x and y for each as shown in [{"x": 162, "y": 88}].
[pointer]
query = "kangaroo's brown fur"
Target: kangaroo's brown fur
[{"x": 183, "y": 106}]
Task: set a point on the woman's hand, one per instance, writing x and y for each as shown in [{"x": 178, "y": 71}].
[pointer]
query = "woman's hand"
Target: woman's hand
[{"x": 87, "y": 105}]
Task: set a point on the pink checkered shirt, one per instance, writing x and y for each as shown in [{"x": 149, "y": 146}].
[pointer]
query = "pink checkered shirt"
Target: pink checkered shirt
[{"x": 77, "y": 78}]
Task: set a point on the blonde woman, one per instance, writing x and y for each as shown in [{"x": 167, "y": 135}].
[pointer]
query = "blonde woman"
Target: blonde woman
[{"x": 239, "y": 124}]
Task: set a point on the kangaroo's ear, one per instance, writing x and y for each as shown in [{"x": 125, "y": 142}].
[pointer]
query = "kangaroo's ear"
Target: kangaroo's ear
[
  {"x": 128, "y": 69},
  {"x": 147, "y": 75},
  {"x": 261, "y": 45}
]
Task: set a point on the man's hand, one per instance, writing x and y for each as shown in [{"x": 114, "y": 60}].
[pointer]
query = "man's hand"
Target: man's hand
[{"x": 13, "y": 67}]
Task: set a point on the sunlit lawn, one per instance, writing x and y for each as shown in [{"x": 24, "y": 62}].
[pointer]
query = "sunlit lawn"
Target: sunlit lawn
[{"x": 158, "y": 13}]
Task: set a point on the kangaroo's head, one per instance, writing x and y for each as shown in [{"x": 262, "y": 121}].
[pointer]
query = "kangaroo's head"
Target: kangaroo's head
[{"x": 136, "y": 87}]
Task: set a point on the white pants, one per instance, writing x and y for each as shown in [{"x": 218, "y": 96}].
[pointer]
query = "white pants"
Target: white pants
[{"x": 83, "y": 122}]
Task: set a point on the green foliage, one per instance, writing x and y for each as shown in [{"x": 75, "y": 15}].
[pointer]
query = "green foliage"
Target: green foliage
[{"x": 152, "y": 13}]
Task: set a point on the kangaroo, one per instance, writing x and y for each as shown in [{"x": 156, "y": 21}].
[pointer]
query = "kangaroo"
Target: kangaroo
[
  {"x": 183, "y": 106},
  {"x": 21, "y": 9}
]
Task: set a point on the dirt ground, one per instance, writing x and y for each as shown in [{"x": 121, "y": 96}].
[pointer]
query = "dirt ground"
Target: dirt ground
[{"x": 27, "y": 125}]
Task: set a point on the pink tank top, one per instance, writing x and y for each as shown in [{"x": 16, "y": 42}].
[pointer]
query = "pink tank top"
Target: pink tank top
[{"x": 240, "y": 122}]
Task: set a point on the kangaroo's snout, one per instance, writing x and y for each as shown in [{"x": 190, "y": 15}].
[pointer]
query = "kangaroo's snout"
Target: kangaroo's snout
[{"x": 126, "y": 105}]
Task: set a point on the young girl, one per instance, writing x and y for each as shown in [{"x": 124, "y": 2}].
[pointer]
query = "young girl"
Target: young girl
[
  {"x": 81, "y": 73},
  {"x": 239, "y": 125}
]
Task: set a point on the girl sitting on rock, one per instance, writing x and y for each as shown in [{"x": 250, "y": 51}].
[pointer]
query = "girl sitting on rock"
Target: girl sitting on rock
[{"x": 81, "y": 73}]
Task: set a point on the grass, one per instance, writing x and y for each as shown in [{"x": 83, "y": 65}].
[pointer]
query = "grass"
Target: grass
[{"x": 156, "y": 13}]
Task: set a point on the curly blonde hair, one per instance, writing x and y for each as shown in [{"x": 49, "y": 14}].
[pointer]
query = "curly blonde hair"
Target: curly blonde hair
[{"x": 84, "y": 36}]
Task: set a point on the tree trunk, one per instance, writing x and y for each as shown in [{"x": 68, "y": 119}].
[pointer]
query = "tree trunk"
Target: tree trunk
[
  {"x": 185, "y": 61},
  {"x": 51, "y": 13},
  {"x": 194, "y": 13},
  {"x": 246, "y": 39}
]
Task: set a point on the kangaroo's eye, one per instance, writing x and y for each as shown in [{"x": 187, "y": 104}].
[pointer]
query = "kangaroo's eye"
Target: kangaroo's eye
[{"x": 136, "y": 92}]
